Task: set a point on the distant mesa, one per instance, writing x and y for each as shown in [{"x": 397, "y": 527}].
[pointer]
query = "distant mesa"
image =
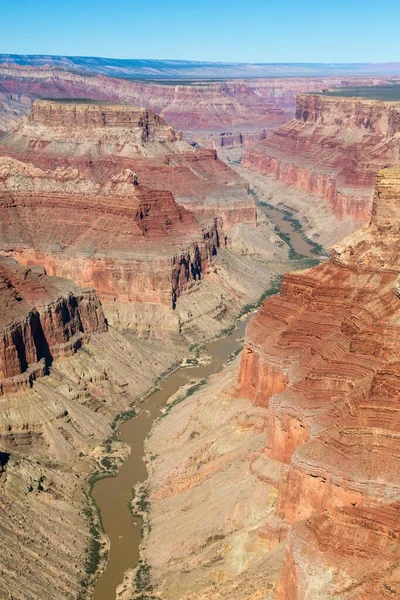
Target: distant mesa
[
  {"x": 330, "y": 152},
  {"x": 41, "y": 318}
]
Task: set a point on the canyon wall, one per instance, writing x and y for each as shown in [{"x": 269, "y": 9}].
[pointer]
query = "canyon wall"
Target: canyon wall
[
  {"x": 91, "y": 115},
  {"x": 285, "y": 469},
  {"x": 331, "y": 150},
  {"x": 86, "y": 216},
  {"x": 139, "y": 214},
  {"x": 323, "y": 357},
  {"x": 42, "y": 318},
  {"x": 100, "y": 139},
  {"x": 77, "y": 376}
]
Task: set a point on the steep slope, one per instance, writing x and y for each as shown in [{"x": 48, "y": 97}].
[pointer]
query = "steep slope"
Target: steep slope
[
  {"x": 312, "y": 429},
  {"x": 64, "y": 376},
  {"x": 41, "y": 318},
  {"x": 107, "y": 236},
  {"x": 330, "y": 153},
  {"x": 324, "y": 357},
  {"x": 102, "y": 138},
  {"x": 198, "y": 243}
]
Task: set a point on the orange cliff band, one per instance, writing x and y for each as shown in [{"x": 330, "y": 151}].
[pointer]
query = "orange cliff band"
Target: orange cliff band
[{"x": 323, "y": 357}]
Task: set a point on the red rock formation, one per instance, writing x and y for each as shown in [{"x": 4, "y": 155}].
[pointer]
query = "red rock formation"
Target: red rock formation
[
  {"x": 42, "y": 318},
  {"x": 99, "y": 139},
  {"x": 323, "y": 356},
  {"x": 87, "y": 114},
  {"x": 332, "y": 149},
  {"x": 107, "y": 236},
  {"x": 351, "y": 553}
]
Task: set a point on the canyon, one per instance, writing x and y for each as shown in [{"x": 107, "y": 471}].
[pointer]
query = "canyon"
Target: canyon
[
  {"x": 281, "y": 477},
  {"x": 210, "y": 112},
  {"x": 163, "y": 230},
  {"x": 322, "y": 164},
  {"x": 65, "y": 376},
  {"x": 106, "y": 282},
  {"x": 126, "y": 246}
]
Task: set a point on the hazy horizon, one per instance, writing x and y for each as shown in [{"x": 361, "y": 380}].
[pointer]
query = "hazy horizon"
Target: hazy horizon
[{"x": 257, "y": 32}]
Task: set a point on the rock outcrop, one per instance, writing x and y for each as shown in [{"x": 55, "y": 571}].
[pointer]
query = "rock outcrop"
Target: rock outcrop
[
  {"x": 90, "y": 115},
  {"x": 42, "y": 318},
  {"x": 237, "y": 105},
  {"x": 100, "y": 139},
  {"x": 51, "y": 433},
  {"x": 139, "y": 214},
  {"x": 106, "y": 236},
  {"x": 330, "y": 151}
]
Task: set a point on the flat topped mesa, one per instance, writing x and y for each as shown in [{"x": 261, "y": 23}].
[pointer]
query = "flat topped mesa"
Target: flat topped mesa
[
  {"x": 85, "y": 113},
  {"x": 375, "y": 116}
]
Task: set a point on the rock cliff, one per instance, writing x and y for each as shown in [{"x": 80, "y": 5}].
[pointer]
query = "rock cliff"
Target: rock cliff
[
  {"x": 100, "y": 139},
  {"x": 114, "y": 161},
  {"x": 42, "y": 318},
  {"x": 323, "y": 357},
  {"x": 51, "y": 431},
  {"x": 90, "y": 115},
  {"x": 311, "y": 428},
  {"x": 106, "y": 236},
  {"x": 331, "y": 151}
]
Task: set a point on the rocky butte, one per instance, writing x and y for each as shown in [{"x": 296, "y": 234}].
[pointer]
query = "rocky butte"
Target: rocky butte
[
  {"x": 322, "y": 164},
  {"x": 290, "y": 470}
]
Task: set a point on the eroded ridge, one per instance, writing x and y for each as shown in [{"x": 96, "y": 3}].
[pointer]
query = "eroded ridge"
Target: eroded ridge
[{"x": 105, "y": 236}]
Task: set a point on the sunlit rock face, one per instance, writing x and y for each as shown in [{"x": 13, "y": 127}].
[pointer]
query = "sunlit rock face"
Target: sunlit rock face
[
  {"x": 218, "y": 113},
  {"x": 323, "y": 357},
  {"x": 101, "y": 138},
  {"x": 42, "y": 318},
  {"x": 285, "y": 468},
  {"x": 105, "y": 236},
  {"x": 332, "y": 150}
]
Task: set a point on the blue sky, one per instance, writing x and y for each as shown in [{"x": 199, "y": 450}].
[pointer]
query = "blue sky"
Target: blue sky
[{"x": 214, "y": 30}]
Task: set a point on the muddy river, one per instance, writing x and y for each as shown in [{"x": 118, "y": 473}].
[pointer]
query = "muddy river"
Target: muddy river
[{"x": 112, "y": 495}]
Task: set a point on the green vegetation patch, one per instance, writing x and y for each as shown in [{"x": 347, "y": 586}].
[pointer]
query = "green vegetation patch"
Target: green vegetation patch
[{"x": 386, "y": 93}]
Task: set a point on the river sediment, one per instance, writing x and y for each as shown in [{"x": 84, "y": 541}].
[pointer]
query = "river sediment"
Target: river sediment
[{"x": 113, "y": 495}]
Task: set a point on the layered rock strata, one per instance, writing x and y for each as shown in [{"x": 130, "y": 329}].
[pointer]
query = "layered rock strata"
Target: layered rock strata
[
  {"x": 200, "y": 107},
  {"x": 323, "y": 357},
  {"x": 331, "y": 151},
  {"x": 51, "y": 434},
  {"x": 103, "y": 236},
  {"x": 42, "y": 318},
  {"x": 100, "y": 139},
  {"x": 76, "y": 151},
  {"x": 311, "y": 428}
]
